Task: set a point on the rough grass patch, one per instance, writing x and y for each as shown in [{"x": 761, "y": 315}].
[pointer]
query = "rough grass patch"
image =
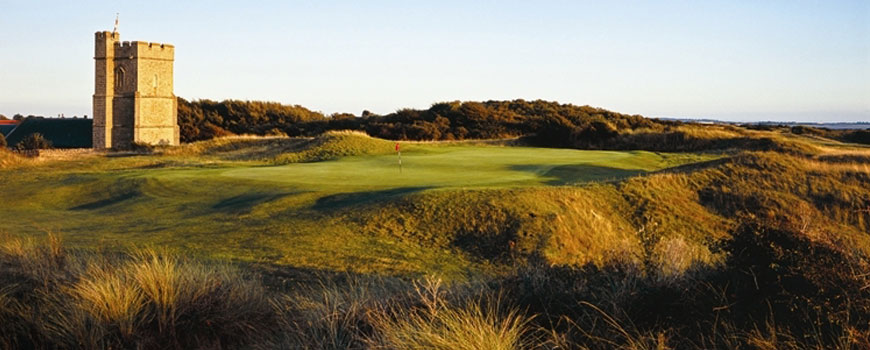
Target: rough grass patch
[
  {"x": 111, "y": 298},
  {"x": 436, "y": 323}
]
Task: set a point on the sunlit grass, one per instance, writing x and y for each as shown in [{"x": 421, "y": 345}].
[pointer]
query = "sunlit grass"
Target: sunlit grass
[{"x": 225, "y": 199}]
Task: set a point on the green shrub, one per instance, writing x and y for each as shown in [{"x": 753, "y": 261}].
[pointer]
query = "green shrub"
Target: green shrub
[{"x": 34, "y": 141}]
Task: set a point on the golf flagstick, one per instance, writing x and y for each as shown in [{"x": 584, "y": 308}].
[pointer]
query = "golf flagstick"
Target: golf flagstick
[{"x": 399, "y": 151}]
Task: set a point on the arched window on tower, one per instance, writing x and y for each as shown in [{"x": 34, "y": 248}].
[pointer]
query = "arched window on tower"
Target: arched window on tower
[{"x": 120, "y": 77}]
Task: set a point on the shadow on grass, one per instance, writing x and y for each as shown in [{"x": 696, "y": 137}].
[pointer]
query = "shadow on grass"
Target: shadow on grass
[
  {"x": 284, "y": 278},
  {"x": 246, "y": 202},
  {"x": 576, "y": 173},
  {"x": 108, "y": 201},
  {"x": 697, "y": 166},
  {"x": 344, "y": 200},
  {"x": 125, "y": 154}
]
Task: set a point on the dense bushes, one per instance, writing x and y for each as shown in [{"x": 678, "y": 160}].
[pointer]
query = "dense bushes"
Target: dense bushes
[
  {"x": 554, "y": 124},
  {"x": 856, "y": 136},
  {"x": 206, "y": 119},
  {"x": 34, "y": 141},
  {"x": 541, "y": 123}
]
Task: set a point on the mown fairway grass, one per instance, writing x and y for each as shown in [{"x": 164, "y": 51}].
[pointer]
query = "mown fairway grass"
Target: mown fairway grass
[
  {"x": 293, "y": 214},
  {"x": 462, "y": 167}
]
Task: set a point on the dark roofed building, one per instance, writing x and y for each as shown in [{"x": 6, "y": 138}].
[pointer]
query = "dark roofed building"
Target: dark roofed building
[
  {"x": 63, "y": 133},
  {"x": 6, "y": 126}
]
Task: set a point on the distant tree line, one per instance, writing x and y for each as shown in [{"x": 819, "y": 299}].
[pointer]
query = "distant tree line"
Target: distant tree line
[
  {"x": 854, "y": 136},
  {"x": 547, "y": 123},
  {"x": 540, "y": 122},
  {"x": 206, "y": 119}
]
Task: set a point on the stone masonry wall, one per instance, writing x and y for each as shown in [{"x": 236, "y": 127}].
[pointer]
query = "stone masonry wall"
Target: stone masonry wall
[{"x": 134, "y": 99}]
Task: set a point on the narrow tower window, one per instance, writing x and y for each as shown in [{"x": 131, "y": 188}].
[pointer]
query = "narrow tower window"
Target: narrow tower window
[
  {"x": 155, "y": 84},
  {"x": 119, "y": 77}
]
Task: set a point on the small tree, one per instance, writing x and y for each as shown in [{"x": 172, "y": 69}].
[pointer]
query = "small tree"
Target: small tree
[
  {"x": 34, "y": 141},
  {"x": 2, "y": 141},
  {"x": 3, "y": 117}
]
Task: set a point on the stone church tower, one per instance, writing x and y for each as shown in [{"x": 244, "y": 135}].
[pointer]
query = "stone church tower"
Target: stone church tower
[{"x": 133, "y": 98}]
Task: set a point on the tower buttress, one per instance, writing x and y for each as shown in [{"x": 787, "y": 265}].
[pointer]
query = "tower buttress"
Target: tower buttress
[{"x": 104, "y": 91}]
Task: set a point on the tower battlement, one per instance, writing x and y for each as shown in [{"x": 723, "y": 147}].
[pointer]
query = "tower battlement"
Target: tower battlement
[
  {"x": 133, "y": 97},
  {"x": 150, "y": 45},
  {"x": 144, "y": 49},
  {"x": 108, "y": 35}
]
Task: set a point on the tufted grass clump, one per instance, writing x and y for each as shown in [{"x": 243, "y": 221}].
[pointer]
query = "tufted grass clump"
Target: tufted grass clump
[
  {"x": 472, "y": 326},
  {"x": 433, "y": 320},
  {"x": 51, "y": 298}
]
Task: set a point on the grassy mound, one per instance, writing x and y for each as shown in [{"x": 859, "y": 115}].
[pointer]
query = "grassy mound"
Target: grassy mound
[
  {"x": 337, "y": 144},
  {"x": 672, "y": 221},
  {"x": 284, "y": 150},
  {"x": 697, "y": 137}
]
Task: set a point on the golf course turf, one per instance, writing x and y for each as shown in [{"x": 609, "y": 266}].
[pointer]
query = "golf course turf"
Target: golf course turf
[{"x": 292, "y": 214}]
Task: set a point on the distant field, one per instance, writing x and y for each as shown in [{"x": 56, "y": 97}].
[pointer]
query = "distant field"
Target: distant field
[{"x": 290, "y": 214}]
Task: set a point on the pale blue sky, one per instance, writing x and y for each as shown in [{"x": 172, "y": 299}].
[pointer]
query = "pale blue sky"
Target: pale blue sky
[{"x": 735, "y": 60}]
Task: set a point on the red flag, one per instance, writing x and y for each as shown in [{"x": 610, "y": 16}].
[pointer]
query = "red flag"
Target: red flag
[{"x": 397, "y": 146}]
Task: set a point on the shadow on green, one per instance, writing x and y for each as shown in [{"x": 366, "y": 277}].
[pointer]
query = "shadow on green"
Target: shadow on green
[
  {"x": 575, "y": 173},
  {"x": 344, "y": 200},
  {"x": 246, "y": 202},
  {"x": 120, "y": 198}
]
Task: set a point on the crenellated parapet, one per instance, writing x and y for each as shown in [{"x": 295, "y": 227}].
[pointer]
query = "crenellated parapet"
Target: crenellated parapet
[
  {"x": 105, "y": 44},
  {"x": 144, "y": 49},
  {"x": 108, "y": 35}
]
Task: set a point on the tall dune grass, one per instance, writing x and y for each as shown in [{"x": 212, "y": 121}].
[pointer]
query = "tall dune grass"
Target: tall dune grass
[
  {"x": 471, "y": 326},
  {"x": 149, "y": 299},
  {"x": 55, "y": 298},
  {"x": 437, "y": 318}
]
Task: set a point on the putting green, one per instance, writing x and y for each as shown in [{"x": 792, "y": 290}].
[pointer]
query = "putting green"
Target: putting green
[{"x": 463, "y": 166}]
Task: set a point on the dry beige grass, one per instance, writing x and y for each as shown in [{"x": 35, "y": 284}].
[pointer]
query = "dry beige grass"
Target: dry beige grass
[
  {"x": 439, "y": 325},
  {"x": 110, "y": 298},
  {"x": 149, "y": 299},
  {"x": 9, "y": 159},
  {"x": 69, "y": 154},
  {"x": 589, "y": 230}
]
